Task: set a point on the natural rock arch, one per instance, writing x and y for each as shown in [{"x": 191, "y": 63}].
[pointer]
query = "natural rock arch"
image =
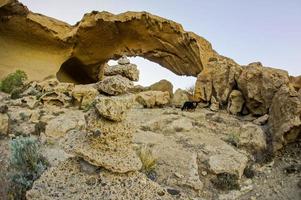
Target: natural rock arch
[{"x": 97, "y": 38}]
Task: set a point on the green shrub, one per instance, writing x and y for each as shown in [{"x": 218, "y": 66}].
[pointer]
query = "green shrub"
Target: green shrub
[
  {"x": 26, "y": 165},
  {"x": 226, "y": 181},
  {"x": 13, "y": 81},
  {"x": 233, "y": 139}
]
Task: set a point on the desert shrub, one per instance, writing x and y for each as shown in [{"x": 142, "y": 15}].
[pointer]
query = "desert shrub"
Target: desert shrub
[
  {"x": 13, "y": 81},
  {"x": 26, "y": 165},
  {"x": 226, "y": 181},
  {"x": 190, "y": 90},
  {"x": 233, "y": 139},
  {"x": 148, "y": 161}
]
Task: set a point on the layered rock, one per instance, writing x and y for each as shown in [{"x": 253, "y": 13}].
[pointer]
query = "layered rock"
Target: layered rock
[
  {"x": 259, "y": 85},
  {"x": 150, "y": 99},
  {"x": 82, "y": 49},
  {"x": 284, "y": 120}
]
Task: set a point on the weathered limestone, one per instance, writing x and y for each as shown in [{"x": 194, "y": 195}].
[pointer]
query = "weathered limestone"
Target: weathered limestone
[
  {"x": 259, "y": 85},
  {"x": 217, "y": 80},
  {"x": 55, "y": 99},
  {"x": 115, "y": 85},
  {"x": 179, "y": 98},
  {"x": 60, "y": 125},
  {"x": 163, "y": 86},
  {"x": 114, "y": 108},
  {"x": 125, "y": 69},
  {"x": 235, "y": 102},
  {"x": 284, "y": 120},
  {"x": 103, "y": 185},
  {"x": 150, "y": 99},
  {"x": 84, "y": 94},
  {"x": 40, "y": 45}
]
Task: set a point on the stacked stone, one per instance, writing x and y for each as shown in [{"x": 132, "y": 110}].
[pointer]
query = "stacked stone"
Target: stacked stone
[{"x": 108, "y": 137}]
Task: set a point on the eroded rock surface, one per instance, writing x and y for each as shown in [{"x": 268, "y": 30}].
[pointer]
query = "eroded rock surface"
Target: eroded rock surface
[
  {"x": 150, "y": 99},
  {"x": 115, "y": 85}
]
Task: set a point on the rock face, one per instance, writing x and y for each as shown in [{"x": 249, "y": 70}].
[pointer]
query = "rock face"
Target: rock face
[
  {"x": 259, "y": 85},
  {"x": 179, "y": 98},
  {"x": 103, "y": 185},
  {"x": 150, "y": 99},
  {"x": 129, "y": 71},
  {"x": 284, "y": 120},
  {"x": 163, "y": 86},
  {"x": 236, "y": 102},
  {"x": 114, "y": 108},
  {"x": 76, "y": 53},
  {"x": 217, "y": 80}
]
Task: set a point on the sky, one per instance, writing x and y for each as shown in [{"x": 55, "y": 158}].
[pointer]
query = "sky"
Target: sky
[{"x": 268, "y": 31}]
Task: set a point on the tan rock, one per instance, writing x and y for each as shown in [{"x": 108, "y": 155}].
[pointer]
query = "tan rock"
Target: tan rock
[
  {"x": 4, "y": 121},
  {"x": 284, "y": 121},
  {"x": 252, "y": 138},
  {"x": 55, "y": 99},
  {"x": 259, "y": 85},
  {"x": 236, "y": 102},
  {"x": 68, "y": 181},
  {"x": 179, "y": 98},
  {"x": 115, "y": 85},
  {"x": 60, "y": 125},
  {"x": 114, "y": 108},
  {"x": 261, "y": 120},
  {"x": 129, "y": 71},
  {"x": 123, "y": 60},
  {"x": 162, "y": 85},
  {"x": 295, "y": 82},
  {"x": 81, "y": 50},
  {"x": 214, "y": 104},
  {"x": 150, "y": 99},
  {"x": 217, "y": 79},
  {"x": 84, "y": 94}
]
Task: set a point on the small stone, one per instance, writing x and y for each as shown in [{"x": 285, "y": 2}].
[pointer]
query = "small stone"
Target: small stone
[
  {"x": 123, "y": 60},
  {"x": 173, "y": 191},
  {"x": 204, "y": 173}
]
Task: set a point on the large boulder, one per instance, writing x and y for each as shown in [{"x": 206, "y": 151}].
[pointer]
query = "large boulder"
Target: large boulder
[
  {"x": 150, "y": 99},
  {"x": 236, "y": 102},
  {"x": 114, "y": 108},
  {"x": 162, "y": 85},
  {"x": 129, "y": 71},
  {"x": 84, "y": 94},
  {"x": 284, "y": 120},
  {"x": 115, "y": 85},
  {"x": 259, "y": 85},
  {"x": 179, "y": 98},
  {"x": 295, "y": 82},
  {"x": 218, "y": 80}
]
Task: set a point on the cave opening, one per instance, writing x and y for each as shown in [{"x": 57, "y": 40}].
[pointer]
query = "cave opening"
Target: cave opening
[{"x": 74, "y": 71}]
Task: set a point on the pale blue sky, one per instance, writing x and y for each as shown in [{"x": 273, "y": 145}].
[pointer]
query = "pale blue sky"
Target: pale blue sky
[{"x": 259, "y": 30}]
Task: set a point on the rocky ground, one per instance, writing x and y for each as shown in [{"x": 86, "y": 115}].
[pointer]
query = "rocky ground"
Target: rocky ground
[{"x": 187, "y": 146}]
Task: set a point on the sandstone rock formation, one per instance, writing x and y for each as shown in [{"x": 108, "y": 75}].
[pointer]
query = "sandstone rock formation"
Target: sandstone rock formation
[
  {"x": 150, "y": 99},
  {"x": 217, "y": 80},
  {"x": 125, "y": 69},
  {"x": 114, "y": 85},
  {"x": 163, "y": 86},
  {"x": 235, "y": 102},
  {"x": 179, "y": 98},
  {"x": 44, "y": 46},
  {"x": 103, "y": 185},
  {"x": 84, "y": 94},
  {"x": 284, "y": 120},
  {"x": 259, "y": 85}
]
